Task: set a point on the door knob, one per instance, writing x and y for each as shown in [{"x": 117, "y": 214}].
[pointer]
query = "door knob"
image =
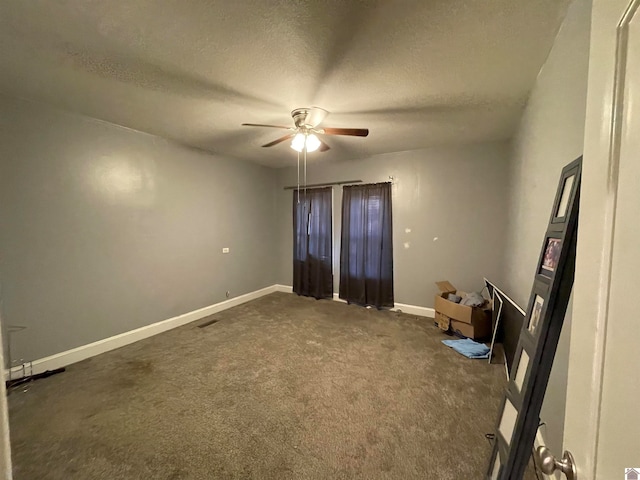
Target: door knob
[{"x": 548, "y": 464}]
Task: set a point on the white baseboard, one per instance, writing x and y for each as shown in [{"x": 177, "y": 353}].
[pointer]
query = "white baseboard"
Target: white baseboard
[
  {"x": 283, "y": 288},
  {"x": 398, "y": 307},
  {"x": 415, "y": 310},
  {"x": 336, "y": 298},
  {"x": 83, "y": 352}
]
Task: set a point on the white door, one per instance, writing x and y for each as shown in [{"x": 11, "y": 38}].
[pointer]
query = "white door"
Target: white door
[
  {"x": 5, "y": 446},
  {"x": 602, "y": 425}
]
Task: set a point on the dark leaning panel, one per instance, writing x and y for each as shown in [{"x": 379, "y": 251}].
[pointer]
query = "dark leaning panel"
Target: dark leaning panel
[{"x": 519, "y": 414}]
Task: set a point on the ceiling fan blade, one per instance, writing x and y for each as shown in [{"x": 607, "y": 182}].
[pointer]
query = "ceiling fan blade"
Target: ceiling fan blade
[
  {"x": 353, "y": 132},
  {"x": 323, "y": 147},
  {"x": 315, "y": 116},
  {"x": 262, "y": 125},
  {"x": 279, "y": 140}
]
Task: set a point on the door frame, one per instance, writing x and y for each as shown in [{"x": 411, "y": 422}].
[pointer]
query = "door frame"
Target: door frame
[
  {"x": 603, "y": 135},
  {"x": 5, "y": 442}
]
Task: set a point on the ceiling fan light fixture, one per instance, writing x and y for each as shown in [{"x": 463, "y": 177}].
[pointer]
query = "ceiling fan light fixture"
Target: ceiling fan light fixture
[
  {"x": 313, "y": 143},
  {"x": 298, "y": 142},
  {"x": 302, "y": 140}
]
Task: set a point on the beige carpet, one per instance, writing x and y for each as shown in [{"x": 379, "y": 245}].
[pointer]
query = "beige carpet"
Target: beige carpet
[{"x": 283, "y": 387}]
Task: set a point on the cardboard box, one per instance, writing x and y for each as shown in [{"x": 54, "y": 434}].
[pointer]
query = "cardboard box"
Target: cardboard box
[
  {"x": 443, "y": 321},
  {"x": 471, "y": 322}
]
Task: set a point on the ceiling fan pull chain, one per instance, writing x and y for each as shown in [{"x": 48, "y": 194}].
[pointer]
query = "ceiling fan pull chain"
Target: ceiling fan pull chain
[
  {"x": 305, "y": 172},
  {"x": 298, "y": 191}
]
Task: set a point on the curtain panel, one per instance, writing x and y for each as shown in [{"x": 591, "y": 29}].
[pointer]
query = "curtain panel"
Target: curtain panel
[
  {"x": 312, "y": 243},
  {"x": 366, "y": 251}
]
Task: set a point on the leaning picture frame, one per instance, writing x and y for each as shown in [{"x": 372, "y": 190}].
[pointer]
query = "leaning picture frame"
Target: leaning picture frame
[
  {"x": 518, "y": 417},
  {"x": 536, "y": 307},
  {"x": 550, "y": 255},
  {"x": 521, "y": 369},
  {"x": 564, "y": 196}
]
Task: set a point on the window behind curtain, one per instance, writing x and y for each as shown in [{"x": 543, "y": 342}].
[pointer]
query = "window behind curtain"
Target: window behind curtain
[
  {"x": 366, "y": 253},
  {"x": 312, "y": 243}
]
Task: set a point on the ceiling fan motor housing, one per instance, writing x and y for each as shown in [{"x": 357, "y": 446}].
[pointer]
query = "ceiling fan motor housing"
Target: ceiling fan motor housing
[{"x": 299, "y": 118}]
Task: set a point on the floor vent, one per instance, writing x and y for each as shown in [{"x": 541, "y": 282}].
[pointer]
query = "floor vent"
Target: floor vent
[{"x": 206, "y": 324}]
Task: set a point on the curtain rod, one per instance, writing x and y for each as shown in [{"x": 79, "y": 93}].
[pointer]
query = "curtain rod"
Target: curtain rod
[{"x": 315, "y": 185}]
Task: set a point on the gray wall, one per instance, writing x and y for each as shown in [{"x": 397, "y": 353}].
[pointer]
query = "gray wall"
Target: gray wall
[
  {"x": 456, "y": 194},
  {"x": 104, "y": 229},
  {"x": 550, "y": 135}
]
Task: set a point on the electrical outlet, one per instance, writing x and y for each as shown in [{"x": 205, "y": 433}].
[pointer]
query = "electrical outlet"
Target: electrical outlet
[{"x": 225, "y": 250}]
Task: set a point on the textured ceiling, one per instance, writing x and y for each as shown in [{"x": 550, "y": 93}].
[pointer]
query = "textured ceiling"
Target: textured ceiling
[{"x": 416, "y": 73}]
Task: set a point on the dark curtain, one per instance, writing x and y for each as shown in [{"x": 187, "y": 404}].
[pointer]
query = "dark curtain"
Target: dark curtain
[
  {"x": 366, "y": 252},
  {"x": 312, "y": 243}
]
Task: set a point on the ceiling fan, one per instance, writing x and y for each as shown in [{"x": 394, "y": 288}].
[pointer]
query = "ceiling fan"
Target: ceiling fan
[{"x": 306, "y": 130}]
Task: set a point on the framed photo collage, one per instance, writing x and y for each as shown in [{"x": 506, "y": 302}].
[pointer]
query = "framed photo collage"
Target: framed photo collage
[{"x": 518, "y": 417}]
